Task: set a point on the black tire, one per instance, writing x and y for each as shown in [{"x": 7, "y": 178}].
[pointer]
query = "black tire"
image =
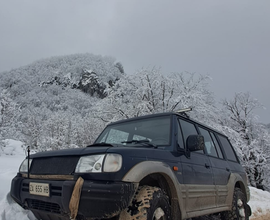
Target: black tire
[
  {"x": 240, "y": 209},
  {"x": 149, "y": 203}
]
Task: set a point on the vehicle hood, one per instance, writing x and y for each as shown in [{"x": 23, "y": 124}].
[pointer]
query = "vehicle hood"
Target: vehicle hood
[{"x": 72, "y": 152}]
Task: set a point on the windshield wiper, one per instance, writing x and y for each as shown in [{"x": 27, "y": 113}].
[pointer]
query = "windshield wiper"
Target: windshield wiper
[
  {"x": 143, "y": 142},
  {"x": 100, "y": 144}
]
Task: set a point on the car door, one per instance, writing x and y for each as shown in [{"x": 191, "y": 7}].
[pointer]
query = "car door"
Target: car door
[
  {"x": 197, "y": 174},
  {"x": 220, "y": 167}
]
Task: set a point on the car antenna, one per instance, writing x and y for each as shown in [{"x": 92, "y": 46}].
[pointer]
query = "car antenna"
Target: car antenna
[
  {"x": 28, "y": 161},
  {"x": 184, "y": 111}
]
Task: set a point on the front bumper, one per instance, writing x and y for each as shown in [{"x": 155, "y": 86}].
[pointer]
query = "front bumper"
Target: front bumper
[{"x": 99, "y": 199}]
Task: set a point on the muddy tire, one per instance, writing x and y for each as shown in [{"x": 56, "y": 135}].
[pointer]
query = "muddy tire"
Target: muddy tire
[
  {"x": 149, "y": 203},
  {"x": 240, "y": 209}
]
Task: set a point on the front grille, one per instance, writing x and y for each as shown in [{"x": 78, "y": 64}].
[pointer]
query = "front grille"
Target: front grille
[
  {"x": 25, "y": 187},
  {"x": 43, "y": 206},
  {"x": 54, "y": 165},
  {"x": 56, "y": 190}
]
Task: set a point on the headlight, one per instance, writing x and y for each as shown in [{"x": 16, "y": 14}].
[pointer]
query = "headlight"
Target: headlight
[
  {"x": 24, "y": 166},
  {"x": 99, "y": 163},
  {"x": 90, "y": 164},
  {"x": 113, "y": 163}
]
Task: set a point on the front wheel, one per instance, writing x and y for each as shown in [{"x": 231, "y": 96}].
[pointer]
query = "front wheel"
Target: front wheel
[
  {"x": 240, "y": 208},
  {"x": 149, "y": 203}
]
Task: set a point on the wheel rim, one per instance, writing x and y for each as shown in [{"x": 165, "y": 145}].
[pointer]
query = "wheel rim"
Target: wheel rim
[
  {"x": 159, "y": 214},
  {"x": 241, "y": 209}
]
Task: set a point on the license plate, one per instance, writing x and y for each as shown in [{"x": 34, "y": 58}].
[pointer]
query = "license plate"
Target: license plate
[{"x": 41, "y": 189}]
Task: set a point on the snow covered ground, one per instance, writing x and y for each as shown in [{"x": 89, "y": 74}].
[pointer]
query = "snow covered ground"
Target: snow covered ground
[
  {"x": 13, "y": 154},
  {"x": 259, "y": 203},
  {"x": 10, "y": 159}
]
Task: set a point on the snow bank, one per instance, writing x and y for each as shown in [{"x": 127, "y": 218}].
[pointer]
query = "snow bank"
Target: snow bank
[
  {"x": 259, "y": 202},
  {"x": 12, "y": 147},
  {"x": 11, "y": 156},
  {"x": 11, "y": 210}
]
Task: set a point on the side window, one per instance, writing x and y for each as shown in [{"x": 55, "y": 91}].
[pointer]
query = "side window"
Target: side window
[
  {"x": 180, "y": 137},
  {"x": 188, "y": 129},
  {"x": 227, "y": 148},
  {"x": 220, "y": 154},
  {"x": 209, "y": 144}
]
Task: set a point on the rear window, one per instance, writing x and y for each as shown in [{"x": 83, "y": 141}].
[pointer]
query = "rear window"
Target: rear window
[{"x": 228, "y": 148}]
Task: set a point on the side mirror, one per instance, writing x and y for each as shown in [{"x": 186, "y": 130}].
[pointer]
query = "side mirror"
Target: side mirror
[{"x": 195, "y": 143}]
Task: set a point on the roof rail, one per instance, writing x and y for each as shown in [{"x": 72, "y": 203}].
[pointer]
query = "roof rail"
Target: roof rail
[{"x": 184, "y": 111}]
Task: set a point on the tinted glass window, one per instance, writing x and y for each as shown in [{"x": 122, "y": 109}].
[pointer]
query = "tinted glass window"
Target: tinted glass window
[
  {"x": 180, "y": 137},
  {"x": 209, "y": 144},
  {"x": 227, "y": 148},
  {"x": 220, "y": 154},
  {"x": 188, "y": 129}
]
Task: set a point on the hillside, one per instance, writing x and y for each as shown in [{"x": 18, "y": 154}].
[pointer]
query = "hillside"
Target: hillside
[
  {"x": 86, "y": 72},
  {"x": 49, "y": 98},
  {"x": 64, "y": 102}
]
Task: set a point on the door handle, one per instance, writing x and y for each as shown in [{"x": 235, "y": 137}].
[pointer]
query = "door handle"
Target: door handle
[
  {"x": 207, "y": 165},
  {"x": 227, "y": 169}
]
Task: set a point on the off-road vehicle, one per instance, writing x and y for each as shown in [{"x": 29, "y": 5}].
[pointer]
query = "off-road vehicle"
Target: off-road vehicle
[{"x": 160, "y": 166}]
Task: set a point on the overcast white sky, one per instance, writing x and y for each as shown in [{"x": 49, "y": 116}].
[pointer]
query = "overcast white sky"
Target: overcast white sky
[{"x": 228, "y": 40}]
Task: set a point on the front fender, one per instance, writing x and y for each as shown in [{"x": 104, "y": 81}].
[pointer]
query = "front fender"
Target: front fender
[{"x": 141, "y": 170}]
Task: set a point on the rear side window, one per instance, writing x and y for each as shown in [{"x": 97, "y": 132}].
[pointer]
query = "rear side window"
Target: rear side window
[
  {"x": 220, "y": 154},
  {"x": 227, "y": 148},
  {"x": 208, "y": 142}
]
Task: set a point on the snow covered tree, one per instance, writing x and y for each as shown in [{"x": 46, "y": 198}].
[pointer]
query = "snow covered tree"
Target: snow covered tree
[
  {"x": 150, "y": 91},
  {"x": 56, "y": 131},
  {"x": 254, "y": 145},
  {"x": 241, "y": 110},
  {"x": 7, "y": 114},
  {"x": 7, "y": 117},
  {"x": 120, "y": 67},
  {"x": 30, "y": 125}
]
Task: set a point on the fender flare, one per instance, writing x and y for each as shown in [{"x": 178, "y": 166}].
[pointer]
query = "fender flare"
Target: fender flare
[
  {"x": 233, "y": 179},
  {"x": 142, "y": 169},
  {"x": 145, "y": 168}
]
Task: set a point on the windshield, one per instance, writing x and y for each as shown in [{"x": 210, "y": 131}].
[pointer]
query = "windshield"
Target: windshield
[{"x": 155, "y": 131}]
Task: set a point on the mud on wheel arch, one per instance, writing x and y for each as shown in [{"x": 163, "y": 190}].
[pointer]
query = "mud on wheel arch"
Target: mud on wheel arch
[{"x": 148, "y": 203}]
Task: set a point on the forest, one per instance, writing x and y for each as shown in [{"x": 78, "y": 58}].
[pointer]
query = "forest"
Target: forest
[{"x": 65, "y": 102}]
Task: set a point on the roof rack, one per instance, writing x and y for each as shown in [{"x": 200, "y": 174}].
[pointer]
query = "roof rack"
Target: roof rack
[{"x": 184, "y": 111}]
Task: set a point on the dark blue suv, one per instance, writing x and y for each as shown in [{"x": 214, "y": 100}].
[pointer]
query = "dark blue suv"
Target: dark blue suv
[{"x": 160, "y": 166}]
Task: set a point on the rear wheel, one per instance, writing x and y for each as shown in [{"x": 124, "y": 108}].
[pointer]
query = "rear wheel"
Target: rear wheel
[
  {"x": 149, "y": 203},
  {"x": 240, "y": 209}
]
